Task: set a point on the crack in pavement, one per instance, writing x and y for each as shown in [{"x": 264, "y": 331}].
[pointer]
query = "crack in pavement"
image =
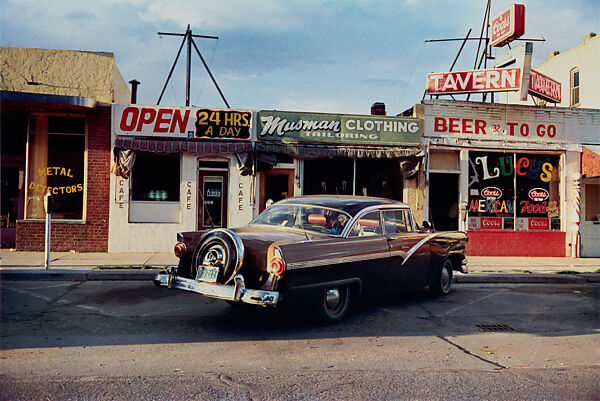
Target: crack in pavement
[{"x": 466, "y": 351}]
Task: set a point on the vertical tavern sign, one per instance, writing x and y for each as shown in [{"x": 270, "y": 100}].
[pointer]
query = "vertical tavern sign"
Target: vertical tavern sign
[{"x": 508, "y": 25}]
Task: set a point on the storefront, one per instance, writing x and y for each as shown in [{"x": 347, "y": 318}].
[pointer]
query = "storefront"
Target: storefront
[
  {"x": 316, "y": 153},
  {"x": 505, "y": 174},
  {"x": 177, "y": 169}
]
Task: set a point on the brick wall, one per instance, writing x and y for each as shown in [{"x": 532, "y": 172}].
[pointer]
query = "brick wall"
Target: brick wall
[
  {"x": 516, "y": 243},
  {"x": 92, "y": 234}
]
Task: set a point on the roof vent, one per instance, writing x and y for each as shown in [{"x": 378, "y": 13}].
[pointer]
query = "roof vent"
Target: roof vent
[
  {"x": 588, "y": 36},
  {"x": 134, "y": 84},
  {"x": 553, "y": 54}
]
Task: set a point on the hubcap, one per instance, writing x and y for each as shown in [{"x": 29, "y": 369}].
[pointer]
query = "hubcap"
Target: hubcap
[
  {"x": 215, "y": 256},
  {"x": 445, "y": 277},
  {"x": 332, "y": 298}
]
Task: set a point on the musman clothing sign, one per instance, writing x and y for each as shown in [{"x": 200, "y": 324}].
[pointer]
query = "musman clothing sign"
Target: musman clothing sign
[{"x": 338, "y": 129}]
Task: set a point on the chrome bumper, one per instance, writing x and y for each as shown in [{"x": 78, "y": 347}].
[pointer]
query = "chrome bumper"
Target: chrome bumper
[{"x": 237, "y": 292}]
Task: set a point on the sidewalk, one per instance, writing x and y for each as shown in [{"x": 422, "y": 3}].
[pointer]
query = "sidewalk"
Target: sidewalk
[{"x": 83, "y": 266}]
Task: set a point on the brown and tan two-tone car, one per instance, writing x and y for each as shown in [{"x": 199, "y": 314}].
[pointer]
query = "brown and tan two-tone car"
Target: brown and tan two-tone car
[{"x": 317, "y": 251}]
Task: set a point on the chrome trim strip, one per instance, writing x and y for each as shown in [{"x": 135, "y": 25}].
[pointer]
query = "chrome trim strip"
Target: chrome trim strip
[
  {"x": 237, "y": 292},
  {"x": 297, "y": 229},
  {"x": 335, "y": 261},
  {"x": 416, "y": 247}
]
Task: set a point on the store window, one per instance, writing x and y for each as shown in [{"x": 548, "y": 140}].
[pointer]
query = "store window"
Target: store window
[
  {"x": 56, "y": 163},
  {"x": 374, "y": 177},
  {"x": 155, "y": 177},
  {"x": 513, "y": 191},
  {"x": 575, "y": 87}
]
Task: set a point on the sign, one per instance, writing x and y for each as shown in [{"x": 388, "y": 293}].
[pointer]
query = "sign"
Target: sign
[
  {"x": 508, "y": 25},
  {"x": 492, "y": 80},
  {"x": 338, "y": 129},
  {"x": 228, "y": 124},
  {"x": 180, "y": 122},
  {"x": 521, "y": 56},
  {"x": 538, "y": 224},
  {"x": 491, "y": 223},
  {"x": 544, "y": 87}
]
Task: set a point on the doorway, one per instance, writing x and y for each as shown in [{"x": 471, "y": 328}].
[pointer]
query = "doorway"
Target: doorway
[
  {"x": 275, "y": 185},
  {"x": 212, "y": 200},
  {"x": 443, "y": 201}
]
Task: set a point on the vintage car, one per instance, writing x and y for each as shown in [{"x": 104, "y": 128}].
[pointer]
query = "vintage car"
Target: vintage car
[{"x": 317, "y": 251}]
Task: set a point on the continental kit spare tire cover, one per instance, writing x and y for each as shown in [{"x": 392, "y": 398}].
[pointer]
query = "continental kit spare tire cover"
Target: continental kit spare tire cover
[{"x": 220, "y": 248}]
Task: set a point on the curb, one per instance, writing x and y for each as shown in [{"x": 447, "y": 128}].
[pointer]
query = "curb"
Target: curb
[{"x": 141, "y": 275}]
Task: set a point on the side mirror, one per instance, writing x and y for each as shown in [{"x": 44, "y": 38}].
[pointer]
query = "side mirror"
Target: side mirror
[{"x": 426, "y": 225}]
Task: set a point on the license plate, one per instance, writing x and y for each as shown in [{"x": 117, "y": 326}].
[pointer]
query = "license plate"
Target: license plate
[{"x": 209, "y": 274}]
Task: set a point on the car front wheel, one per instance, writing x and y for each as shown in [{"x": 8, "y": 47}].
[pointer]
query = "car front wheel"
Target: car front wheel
[
  {"x": 333, "y": 304},
  {"x": 442, "y": 283}
]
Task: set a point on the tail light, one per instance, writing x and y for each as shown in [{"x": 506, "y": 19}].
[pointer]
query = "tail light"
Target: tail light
[
  {"x": 277, "y": 264},
  {"x": 179, "y": 249}
]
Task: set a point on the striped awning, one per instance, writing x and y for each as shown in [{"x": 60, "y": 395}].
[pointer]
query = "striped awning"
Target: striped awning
[
  {"x": 308, "y": 151},
  {"x": 176, "y": 146}
]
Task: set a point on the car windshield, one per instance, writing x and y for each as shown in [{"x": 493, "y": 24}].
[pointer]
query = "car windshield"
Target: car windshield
[{"x": 310, "y": 218}]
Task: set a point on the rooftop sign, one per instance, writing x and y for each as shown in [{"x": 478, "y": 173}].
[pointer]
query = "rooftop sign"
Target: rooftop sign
[
  {"x": 493, "y": 80},
  {"x": 508, "y": 25},
  {"x": 544, "y": 87}
]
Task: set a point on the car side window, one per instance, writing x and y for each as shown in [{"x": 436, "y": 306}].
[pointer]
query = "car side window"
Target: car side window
[
  {"x": 369, "y": 224},
  {"x": 397, "y": 221}
]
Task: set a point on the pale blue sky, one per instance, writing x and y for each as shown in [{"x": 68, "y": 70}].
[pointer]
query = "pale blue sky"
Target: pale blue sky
[{"x": 324, "y": 56}]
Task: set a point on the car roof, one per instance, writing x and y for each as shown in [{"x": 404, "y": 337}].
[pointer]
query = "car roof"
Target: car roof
[{"x": 349, "y": 204}]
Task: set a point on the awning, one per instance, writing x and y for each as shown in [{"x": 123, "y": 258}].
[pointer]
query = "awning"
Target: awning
[
  {"x": 176, "y": 146},
  {"x": 590, "y": 161},
  {"x": 308, "y": 151}
]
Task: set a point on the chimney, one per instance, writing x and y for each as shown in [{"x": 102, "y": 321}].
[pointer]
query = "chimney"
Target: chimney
[
  {"x": 588, "y": 36},
  {"x": 378, "y": 109},
  {"x": 134, "y": 84},
  {"x": 553, "y": 54}
]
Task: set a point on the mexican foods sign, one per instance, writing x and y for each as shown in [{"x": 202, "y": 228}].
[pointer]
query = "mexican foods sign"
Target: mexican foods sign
[{"x": 338, "y": 128}]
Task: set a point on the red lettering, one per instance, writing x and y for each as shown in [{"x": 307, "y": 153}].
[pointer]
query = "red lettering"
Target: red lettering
[
  {"x": 160, "y": 119},
  {"x": 511, "y": 128},
  {"x": 146, "y": 117},
  {"x": 479, "y": 126},
  {"x": 522, "y": 162},
  {"x": 129, "y": 111},
  {"x": 453, "y": 125},
  {"x": 541, "y": 130},
  {"x": 551, "y": 131},
  {"x": 466, "y": 128},
  {"x": 524, "y": 129},
  {"x": 179, "y": 121},
  {"x": 440, "y": 125}
]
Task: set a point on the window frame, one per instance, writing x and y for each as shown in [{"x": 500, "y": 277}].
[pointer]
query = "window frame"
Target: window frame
[
  {"x": 30, "y": 117},
  {"x": 572, "y": 88}
]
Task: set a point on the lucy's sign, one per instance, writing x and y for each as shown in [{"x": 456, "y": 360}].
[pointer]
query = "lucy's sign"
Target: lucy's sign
[
  {"x": 493, "y": 80},
  {"x": 180, "y": 122},
  {"x": 508, "y": 25}
]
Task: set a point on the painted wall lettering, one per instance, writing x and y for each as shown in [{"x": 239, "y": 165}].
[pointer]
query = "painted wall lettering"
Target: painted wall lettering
[
  {"x": 188, "y": 195},
  {"x": 240, "y": 196}
]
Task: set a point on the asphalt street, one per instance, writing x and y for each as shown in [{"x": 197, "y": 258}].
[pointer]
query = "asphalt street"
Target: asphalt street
[{"x": 129, "y": 340}]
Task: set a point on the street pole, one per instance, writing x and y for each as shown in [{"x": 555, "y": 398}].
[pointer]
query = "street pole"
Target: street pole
[{"x": 48, "y": 204}]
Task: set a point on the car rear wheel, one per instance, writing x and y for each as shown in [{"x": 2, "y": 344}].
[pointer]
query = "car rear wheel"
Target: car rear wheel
[
  {"x": 221, "y": 250},
  {"x": 333, "y": 304},
  {"x": 442, "y": 283}
]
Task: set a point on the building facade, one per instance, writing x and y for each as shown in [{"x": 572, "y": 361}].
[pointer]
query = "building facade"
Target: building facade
[
  {"x": 506, "y": 174},
  {"x": 56, "y": 139}
]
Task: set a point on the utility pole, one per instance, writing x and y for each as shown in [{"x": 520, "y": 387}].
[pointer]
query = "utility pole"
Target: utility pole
[{"x": 188, "y": 38}]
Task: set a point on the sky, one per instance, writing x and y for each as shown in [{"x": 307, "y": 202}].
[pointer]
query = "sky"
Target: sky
[{"x": 311, "y": 55}]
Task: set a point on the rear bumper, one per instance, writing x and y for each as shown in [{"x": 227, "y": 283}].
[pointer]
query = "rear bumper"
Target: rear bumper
[{"x": 237, "y": 292}]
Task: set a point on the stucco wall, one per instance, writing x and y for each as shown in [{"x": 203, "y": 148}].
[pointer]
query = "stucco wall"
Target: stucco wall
[{"x": 62, "y": 72}]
